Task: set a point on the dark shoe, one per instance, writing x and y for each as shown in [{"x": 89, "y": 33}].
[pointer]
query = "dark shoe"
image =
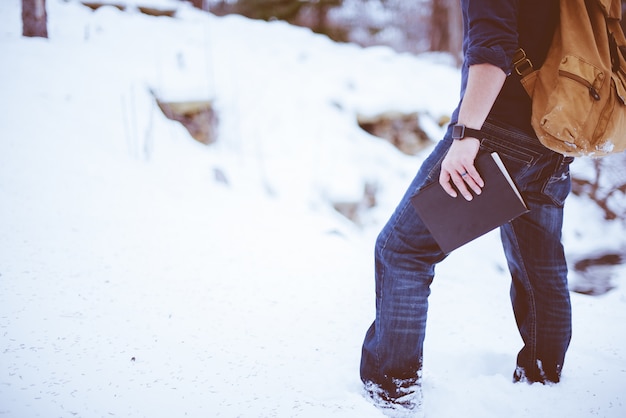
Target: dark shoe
[
  {"x": 539, "y": 376},
  {"x": 407, "y": 402}
]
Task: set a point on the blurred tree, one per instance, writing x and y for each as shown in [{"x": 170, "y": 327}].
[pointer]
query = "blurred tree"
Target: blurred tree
[
  {"x": 34, "y": 18},
  {"x": 200, "y": 4},
  {"x": 446, "y": 33},
  {"x": 287, "y": 10},
  {"x": 270, "y": 9},
  {"x": 606, "y": 186},
  {"x": 407, "y": 26}
]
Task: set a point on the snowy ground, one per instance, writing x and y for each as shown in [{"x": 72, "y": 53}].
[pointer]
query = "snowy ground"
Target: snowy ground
[{"x": 135, "y": 284}]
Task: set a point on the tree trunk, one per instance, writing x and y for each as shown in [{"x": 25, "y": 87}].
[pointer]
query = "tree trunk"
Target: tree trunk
[
  {"x": 198, "y": 4},
  {"x": 34, "y": 18},
  {"x": 446, "y": 27},
  {"x": 455, "y": 28}
]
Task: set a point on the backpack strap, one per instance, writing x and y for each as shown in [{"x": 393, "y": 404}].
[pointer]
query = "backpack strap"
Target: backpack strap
[{"x": 521, "y": 63}]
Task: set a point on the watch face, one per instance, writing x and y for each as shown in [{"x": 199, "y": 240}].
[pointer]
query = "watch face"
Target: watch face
[{"x": 458, "y": 132}]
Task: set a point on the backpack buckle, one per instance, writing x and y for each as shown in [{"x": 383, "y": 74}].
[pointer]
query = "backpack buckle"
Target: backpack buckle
[{"x": 522, "y": 64}]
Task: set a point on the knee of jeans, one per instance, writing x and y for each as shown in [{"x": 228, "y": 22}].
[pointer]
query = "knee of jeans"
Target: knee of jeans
[
  {"x": 381, "y": 241},
  {"x": 395, "y": 255},
  {"x": 415, "y": 251},
  {"x": 386, "y": 248}
]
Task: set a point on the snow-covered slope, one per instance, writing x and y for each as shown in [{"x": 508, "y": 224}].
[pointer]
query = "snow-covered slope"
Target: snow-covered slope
[{"x": 135, "y": 283}]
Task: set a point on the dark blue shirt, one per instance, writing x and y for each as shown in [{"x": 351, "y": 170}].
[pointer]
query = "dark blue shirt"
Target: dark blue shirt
[{"x": 492, "y": 32}]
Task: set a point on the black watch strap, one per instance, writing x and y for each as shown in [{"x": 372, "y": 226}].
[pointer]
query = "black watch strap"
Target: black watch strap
[{"x": 461, "y": 131}]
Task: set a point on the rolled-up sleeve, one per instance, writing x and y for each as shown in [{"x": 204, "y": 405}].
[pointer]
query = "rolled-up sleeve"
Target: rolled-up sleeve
[{"x": 491, "y": 27}]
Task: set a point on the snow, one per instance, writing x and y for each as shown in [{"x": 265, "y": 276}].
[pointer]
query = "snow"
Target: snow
[{"x": 134, "y": 283}]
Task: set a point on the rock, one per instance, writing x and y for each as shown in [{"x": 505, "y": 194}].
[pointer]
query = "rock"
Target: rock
[
  {"x": 400, "y": 129},
  {"x": 197, "y": 116}
]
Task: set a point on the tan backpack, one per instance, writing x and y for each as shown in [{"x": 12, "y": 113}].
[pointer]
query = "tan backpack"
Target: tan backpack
[{"x": 579, "y": 93}]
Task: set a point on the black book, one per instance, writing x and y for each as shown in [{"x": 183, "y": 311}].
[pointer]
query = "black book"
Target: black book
[{"x": 454, "y": 221}]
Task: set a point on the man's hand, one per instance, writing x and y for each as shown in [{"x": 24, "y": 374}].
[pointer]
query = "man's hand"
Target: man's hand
[
  {"x": 458, "y": 168},
  {"x": 484, "y": 82}
]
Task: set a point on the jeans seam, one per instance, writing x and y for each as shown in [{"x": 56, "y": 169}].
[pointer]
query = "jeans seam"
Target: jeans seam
[
  {"x": 380, "y": 302},
  {"x": 531, "y": 296},
  {"x": 558, "y": 167},
  {"x": 382, "y": 278},
  {"x": 431, "y": 176}
]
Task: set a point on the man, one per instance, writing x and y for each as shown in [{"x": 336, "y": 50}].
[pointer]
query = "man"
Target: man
[{"x": 494, "y": 102}]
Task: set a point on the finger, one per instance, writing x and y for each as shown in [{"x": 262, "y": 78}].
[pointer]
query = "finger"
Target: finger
[
  {"x": 460, "y": 183},
  {"x": 473, "y": 181},
  {"x": 475, "y": 175},
  {"x": 444, "y": 181}
]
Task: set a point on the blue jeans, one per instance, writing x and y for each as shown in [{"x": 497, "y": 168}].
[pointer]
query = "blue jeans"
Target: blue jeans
[{"x": 406, "y": 255}]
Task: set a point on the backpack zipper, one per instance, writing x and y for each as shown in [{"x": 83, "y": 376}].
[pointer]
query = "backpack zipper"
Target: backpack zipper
[{"x": 592, "y": 90}]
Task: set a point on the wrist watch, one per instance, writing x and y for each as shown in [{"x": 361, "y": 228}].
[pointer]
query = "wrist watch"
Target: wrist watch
[{"x": 461, "y": 131}]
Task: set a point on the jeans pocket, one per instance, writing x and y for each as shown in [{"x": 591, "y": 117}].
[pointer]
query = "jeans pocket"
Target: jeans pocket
[
  {"x": 510, "y": 151},
  {"x": 517, "y": 159},
  {"x": 559, "y": 184}
]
